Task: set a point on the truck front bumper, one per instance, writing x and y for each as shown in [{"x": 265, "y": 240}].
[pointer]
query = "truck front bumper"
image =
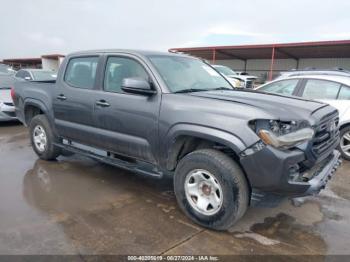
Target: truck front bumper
[
  {"x": 320, "y": 180},
  {"x": 282, "y": 172}
]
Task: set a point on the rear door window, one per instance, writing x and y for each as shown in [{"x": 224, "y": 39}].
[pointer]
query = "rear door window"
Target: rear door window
[
  {"x": 344, "y": 93},
  {"x": 81, "y": 72},
  {"x": 26, "y": 75},
  {"x": 321, "y": 89},
  {"x": 284, "y": 87}
]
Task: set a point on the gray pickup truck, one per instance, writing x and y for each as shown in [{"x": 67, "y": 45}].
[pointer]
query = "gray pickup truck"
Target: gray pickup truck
[{"x": 169, "y": 114}]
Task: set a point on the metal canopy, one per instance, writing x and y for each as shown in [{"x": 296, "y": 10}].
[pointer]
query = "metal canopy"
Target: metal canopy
[{"x": 324, "y": 49}]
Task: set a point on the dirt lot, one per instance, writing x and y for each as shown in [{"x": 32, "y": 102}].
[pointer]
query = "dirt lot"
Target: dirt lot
[{"x": 79, "y": 206}]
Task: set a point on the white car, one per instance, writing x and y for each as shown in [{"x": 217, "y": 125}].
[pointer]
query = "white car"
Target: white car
[
  {"x": 241, "y": 80},
  {"x": 7, "y": 109},
  {"x": 331, "y": 89}
]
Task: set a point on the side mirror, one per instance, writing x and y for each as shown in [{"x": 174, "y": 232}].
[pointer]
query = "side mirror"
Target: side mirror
[
  {"x": 28, "y": 78},
  {"x": 137, "y": 85}
]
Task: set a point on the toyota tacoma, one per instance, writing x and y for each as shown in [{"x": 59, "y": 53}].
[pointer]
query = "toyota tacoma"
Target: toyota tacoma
[{"x": 170, "y": 114}]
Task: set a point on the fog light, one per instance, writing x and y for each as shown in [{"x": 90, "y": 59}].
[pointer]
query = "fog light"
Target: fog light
[
  {"x": 253, "y": 149},
  {"x": 294, "y": 173}
]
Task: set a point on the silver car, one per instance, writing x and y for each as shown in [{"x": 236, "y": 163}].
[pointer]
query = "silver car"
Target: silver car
[{"x": 7, "y": 109}]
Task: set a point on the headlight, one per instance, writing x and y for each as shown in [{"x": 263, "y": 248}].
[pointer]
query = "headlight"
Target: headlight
[
  {"x": 235, "y": 82},
  {"x": 284, "y": 134}
]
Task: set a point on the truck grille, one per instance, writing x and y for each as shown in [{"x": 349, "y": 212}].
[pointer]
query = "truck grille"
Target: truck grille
[{"x": 327, "y": 133}]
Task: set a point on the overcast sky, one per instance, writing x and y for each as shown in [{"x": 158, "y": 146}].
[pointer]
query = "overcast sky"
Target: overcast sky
[{"x": 30, "y": 28}]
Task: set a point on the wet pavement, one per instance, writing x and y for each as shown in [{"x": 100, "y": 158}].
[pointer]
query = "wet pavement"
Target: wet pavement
[{"x": 78, "y": 206}]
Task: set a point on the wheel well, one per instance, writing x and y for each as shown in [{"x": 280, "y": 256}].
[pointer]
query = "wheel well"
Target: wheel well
[
  {"x": 343, "y": 126},
  {"x": 30, "y": 111},
  {"x": 187, "y": 144}
]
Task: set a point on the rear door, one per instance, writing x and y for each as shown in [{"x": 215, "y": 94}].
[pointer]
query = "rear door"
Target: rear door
[
  {"x": 330, "y": 92},
  {"x": 74, "y": 98},
  {"x": 128, "y": 123}
]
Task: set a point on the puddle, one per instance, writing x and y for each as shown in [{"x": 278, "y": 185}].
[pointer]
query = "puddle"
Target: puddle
[
  {"x": 259, "y": 238},
  {"x": 284, "y": 229}
]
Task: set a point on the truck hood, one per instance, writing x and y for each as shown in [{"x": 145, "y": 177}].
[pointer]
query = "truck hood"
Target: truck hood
[{"x": 279, "y": 106}]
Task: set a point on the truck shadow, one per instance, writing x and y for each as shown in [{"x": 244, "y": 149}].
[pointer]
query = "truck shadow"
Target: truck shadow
[
  {"x": 103, "y": 209},
  {"x": 106, "y": 210}
]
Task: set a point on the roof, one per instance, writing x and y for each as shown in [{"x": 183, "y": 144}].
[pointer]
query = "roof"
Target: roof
[
  {"x": 53, "y": 56},
  {"x": 337, "y": 78},
  {"x": 323, "y": 49},
  {"x": 129, "y": 51},
  {"x": 36, "y": 70},
  {"x": 31, "y": 60},
  {"x": 22, "y": 60}
]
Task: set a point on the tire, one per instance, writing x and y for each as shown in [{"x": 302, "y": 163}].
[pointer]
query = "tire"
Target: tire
[
  {"x": 226, "y": 173},
  {"x": 344, "y": 140},
  {"x": 40, "y": 125}
]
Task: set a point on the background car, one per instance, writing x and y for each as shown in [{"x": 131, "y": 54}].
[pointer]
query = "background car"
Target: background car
[
  {"x": 313, "y": 71},
  {"x": 237, "y": 80},
  {"x": 331, "y": 89},
  {"x": 7, "y": 109},
  {"x": 36, "y": 75},
  {"x": 5, "y": 69}
]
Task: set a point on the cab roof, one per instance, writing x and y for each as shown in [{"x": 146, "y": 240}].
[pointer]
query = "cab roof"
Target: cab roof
[{"x": 126, "y": 51}]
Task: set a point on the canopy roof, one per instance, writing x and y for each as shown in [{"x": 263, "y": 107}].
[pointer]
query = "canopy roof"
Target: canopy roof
[{"x": 324, "y": 49}]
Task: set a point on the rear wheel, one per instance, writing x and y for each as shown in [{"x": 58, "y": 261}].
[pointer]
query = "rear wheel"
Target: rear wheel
[
  {"x": 43, "y": 139},
  {"x": 344, "y": 145},
  {"x": 211, "y": 189}
]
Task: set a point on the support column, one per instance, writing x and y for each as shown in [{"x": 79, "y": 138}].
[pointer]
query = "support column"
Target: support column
[
  {"x": 214, "y": 56},
  {"x": 272, "y": 63}
]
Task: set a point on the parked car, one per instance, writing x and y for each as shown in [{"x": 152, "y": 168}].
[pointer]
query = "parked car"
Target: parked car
[
  {"x": 7, "y": 109},
  {"x": 237, "y": 80},
  {"x": 36, "y": 74},
  {"x": 5, "y": 69},
  {"x": 313, "y": 71},
  {"x": 169, "y": 114},
  {"x": 331, "y": 89}
]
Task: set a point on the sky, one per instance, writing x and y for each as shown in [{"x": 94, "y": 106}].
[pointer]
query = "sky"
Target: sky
[{"x": 31, "y": 28}]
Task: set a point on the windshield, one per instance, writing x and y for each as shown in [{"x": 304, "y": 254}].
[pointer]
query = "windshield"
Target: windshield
[
  {"x": 186, "y": 73},
  {"x": 44, "y": 75},
  {"x": 225, "y": 70}
]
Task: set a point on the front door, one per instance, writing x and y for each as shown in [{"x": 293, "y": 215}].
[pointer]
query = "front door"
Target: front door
[
  {"x": 128, "y": 123},
  {"x": 326, "y": 91}
]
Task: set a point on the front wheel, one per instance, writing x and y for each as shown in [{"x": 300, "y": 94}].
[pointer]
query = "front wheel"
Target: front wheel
[
  {"x": 344, "y": 146},
  {"x": 42, "y": 138},
  {"x": 211, "y": 189}
]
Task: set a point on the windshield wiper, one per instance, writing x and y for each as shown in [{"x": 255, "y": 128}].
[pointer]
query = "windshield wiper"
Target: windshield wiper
[
  {"x": 190, "y": 90},
  {"x": 223, "y": 88}
]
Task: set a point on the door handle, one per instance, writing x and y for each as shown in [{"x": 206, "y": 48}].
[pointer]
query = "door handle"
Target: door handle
[
  {"x": 102, "y": 103},
  {"x": 61, "y": 97}
]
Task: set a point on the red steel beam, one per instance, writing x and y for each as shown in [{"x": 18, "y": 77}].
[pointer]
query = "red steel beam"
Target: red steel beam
[
  {"x": 214, "y": 56},
  {"x": 272, "y": 62}
]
